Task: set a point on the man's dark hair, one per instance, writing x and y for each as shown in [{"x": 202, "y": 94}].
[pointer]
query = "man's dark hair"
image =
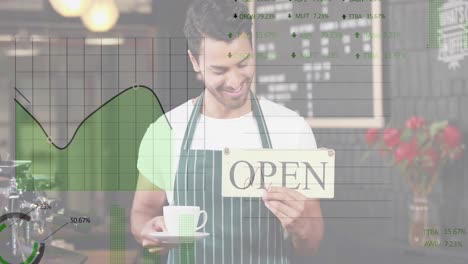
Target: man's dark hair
[{"x": 214, "y": 19}]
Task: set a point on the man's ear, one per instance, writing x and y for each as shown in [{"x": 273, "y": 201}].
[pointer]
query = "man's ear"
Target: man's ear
[{"x": 195, "y": 65}]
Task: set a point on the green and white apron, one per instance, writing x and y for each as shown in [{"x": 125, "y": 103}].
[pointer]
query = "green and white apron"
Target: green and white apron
[{"x": 242, "y": 230}]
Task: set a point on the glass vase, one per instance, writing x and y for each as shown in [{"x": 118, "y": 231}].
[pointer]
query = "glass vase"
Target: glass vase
[{"x": 418, "y": 221}]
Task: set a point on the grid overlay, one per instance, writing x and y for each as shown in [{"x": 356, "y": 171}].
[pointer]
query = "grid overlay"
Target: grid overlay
[
  {"x": 187, "y": 232},
  {"x": 434, "y": 23},
  {"x": 82, "y": 110},
  {"x": 117, "y": 234}
]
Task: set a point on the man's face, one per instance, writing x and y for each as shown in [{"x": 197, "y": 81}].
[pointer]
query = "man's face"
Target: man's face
[{"x": 227, "y": 79}]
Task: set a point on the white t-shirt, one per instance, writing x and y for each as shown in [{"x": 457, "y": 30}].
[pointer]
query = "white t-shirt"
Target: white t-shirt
[{"x": 160, "y": 147}]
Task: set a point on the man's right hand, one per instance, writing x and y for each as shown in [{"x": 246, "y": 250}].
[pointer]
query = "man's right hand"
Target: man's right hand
[{"x": 154, "y": 245}]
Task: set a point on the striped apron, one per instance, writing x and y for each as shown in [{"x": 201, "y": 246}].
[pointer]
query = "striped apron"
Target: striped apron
[{"x": 242, "y": 230}]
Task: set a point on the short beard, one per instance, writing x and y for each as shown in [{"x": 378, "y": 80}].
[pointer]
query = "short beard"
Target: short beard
[
  {"x": 228, "y": 104},
  {"x": 238, "y": 103}
]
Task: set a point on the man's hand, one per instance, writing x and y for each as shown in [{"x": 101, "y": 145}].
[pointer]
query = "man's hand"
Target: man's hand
[
  {"x": 300, "y": 216},
  {"x": 154, "y": 245}
]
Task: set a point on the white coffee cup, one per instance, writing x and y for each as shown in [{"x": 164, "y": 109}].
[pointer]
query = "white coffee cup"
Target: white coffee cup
[{"x": 183, "y": 219}]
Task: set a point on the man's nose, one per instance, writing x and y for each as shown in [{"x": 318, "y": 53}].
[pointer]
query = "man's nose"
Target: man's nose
[{"x": 234, "y": 80}]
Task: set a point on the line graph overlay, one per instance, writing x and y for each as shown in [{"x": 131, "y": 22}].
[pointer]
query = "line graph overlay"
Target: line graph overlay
[
  {"x": 82, "y": 109},
  {"x": 91, "y": 160}
]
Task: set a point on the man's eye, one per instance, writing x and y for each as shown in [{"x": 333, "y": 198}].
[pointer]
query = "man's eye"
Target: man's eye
[{"x": 242, "y": 65}]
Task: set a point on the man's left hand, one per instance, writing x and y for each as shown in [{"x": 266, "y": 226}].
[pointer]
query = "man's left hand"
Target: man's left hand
[{"x": 300, "y": 216}]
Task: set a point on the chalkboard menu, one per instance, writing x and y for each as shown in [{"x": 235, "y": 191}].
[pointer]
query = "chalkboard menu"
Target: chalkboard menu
[{"x": 321, "y": 58}]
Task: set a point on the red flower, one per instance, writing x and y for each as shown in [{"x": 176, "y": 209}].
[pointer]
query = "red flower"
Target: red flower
[
  {"x": 391, "y": 137},
  {"x": 432, "y": 155},
  {"x": 452, "y": 136},
  {"x": 415, "y": 122},
  {"x": 372, "y": 135},
  {"x": 406, "y": 151}
]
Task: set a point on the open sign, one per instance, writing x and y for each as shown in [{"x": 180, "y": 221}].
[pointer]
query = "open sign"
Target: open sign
[{"x": 247, "y": 173}]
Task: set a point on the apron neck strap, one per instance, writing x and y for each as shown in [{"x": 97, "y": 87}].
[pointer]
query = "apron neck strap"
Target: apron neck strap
[{"x": 256, "y": 111}]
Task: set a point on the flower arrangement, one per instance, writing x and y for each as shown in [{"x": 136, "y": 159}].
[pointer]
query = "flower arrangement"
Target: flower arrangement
[{"x": 419, "y": 150}]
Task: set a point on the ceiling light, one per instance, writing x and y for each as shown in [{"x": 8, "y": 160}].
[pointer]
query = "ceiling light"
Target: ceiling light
[
  {"x": 101, "y": 16},
  {"x": 70, "y": 8}
]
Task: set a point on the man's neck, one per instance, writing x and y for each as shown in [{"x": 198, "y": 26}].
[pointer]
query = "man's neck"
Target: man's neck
[{"x": 212, "y": 108}]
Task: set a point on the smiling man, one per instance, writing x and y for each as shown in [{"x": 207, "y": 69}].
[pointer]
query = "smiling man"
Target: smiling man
[{"x": 226, "y": 114}]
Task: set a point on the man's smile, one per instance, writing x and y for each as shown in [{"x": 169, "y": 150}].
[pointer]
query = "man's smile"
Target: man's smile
[{"x": 234, "y": 93}]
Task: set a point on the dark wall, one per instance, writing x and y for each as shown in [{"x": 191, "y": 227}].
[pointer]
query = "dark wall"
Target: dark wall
[{"x": 419, "y": 85}]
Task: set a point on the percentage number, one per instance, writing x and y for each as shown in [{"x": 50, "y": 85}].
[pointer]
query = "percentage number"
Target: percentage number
[
  {"x": 454, "y": 244},
  {"x": 80, "y": 220},
  {"x": 321, "y": 16},
  {"x": 455, "y": 231},
  {"x": 375, "y": 16},
  {"x": 44, "y": 206}
]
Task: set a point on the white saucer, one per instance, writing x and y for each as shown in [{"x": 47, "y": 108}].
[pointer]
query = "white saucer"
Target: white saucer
[{"x": 167, "y": 237}]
